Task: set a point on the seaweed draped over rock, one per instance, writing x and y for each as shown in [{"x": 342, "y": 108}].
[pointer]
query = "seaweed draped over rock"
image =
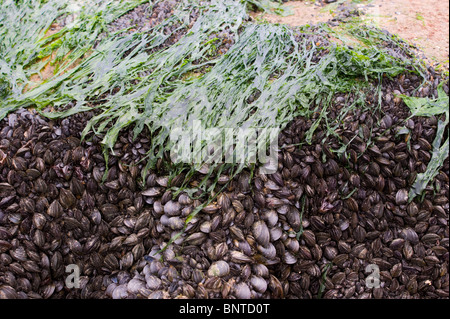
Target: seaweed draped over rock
[
  {"x": 349, "y": 152},
  {"x": 270, "y": 74}
]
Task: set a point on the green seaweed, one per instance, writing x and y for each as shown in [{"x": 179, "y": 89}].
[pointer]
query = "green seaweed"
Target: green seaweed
[
  {"x": 271, "y": 7},
  {"x": 23, "y": 40},
  {"x": 431, "y": 107},
  {"x": 136, "y": 80},
  {"x": 325, "y": 270}
]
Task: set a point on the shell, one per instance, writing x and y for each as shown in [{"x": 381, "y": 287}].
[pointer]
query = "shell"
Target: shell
[
  {"x": 120, "y": 292},
  {"x": 259, "y": 284},
  {"x": 219, "y": 269},
  {"x": 242, "y": 291},
  {"x": 172, "y": 208},
  {"x": 55, "y": 209},
  {"x": 401, "y": 197},
  {"x": 261, "y": 233},
  {"x": 410, "y": 235}
]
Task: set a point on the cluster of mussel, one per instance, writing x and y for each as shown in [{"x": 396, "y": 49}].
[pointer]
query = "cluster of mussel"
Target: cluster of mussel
[{"x": 308, "y": 230}]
